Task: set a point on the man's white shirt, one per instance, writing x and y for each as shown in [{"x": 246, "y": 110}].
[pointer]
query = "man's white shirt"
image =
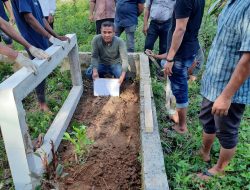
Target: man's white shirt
[{"x": 48, "y": 7}]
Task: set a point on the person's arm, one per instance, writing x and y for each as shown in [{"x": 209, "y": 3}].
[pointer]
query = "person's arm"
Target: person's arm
[
  {"x": 17, "y": 57},
  {"x": 94, "y": 58},
  {"x": 9, "y": 9},
  {"x": 239, "y": 76},
  {"x": 51, "y": 31},
  {"x": 32, "y": 21},
  {"x": 91, "y": 10},
  {"x": 140, "y": 8},
  {"x": 177, "y": 38},
  {"x": 11, "y": 32},
  {"x": 8, "y": 29},
  {"x": 124, "y": 59},
  {"x": 145, "y": 20}
]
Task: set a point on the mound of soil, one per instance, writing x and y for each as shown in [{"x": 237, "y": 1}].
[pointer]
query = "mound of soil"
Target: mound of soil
[{"x": 113, "y": 161}]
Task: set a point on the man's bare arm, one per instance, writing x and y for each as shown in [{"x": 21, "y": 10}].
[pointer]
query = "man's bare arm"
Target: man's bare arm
[
  {"x": 140, "y": 8},
  {"x": 239, "y": 76},
  {"x": 145, "y": 20}
]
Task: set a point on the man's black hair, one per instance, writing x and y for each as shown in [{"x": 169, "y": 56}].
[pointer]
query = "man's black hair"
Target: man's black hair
[{"x": 108, "y": 24}]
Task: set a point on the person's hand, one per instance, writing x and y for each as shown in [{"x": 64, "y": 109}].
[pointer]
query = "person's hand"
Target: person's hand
[
  {"x": 12, "y": 20},
  {"x": 38, "y": 53},
  {"x": 149, "y": 53},
  {"x": 60, "y": 41},
  {"x": 95, "y": 74},
  {"x": 122, "y": 77},
  {"x": 26, "y": 62},
  {"x": 91, "y": 18},
  {"x": 64, "y": 38},
  {"x": 221, "y": 106},
  {"x": 145, "y": 30},
  {"x": 50, "y": 19},
  {"x": 168, "y": 68}
]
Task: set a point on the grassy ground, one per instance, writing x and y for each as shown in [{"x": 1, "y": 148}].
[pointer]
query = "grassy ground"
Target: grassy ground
[{"x": 181, "y": 162}]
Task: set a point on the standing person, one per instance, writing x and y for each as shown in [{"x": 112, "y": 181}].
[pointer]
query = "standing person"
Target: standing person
[
  {"x": 49, "y": 9},
  {"x": 126, "y": 18},
  {"x": 101, "y": 11},
  {"x": 183, "y": 49},
  {"x": 5, "y": 3},
  {"x": 37, "y": 31},
  {"x": 14, "y": 55},
  {"x": 160, "y": 13},
  {"x": 226, "y": 84},
  {"x": 109, "y": 54}
]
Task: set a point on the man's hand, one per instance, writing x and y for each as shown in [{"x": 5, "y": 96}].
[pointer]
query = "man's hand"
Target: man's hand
[
  {"x": 145, "y": 30},
  {"x": 50, "y": 19},
  {"x": 38, "y": 53},
  {"x": 149, "y": 53},
  {"x": 26, "y": 62},
  {"x": 60, "y": 41},
  {"x": 95, "y": 74},
  {"x": 221, "y": 106},
  {"x": 91, "y": 18},
  {"x": 122, "y": 77},
  {"x": 168, "y": 68}
]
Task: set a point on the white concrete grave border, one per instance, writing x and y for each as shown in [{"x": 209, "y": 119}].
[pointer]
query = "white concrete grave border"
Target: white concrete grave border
[{"x": 25, "y": 165}]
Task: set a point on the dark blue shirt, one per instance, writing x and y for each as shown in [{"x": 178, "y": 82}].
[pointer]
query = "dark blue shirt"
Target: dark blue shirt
[
  {"x": 192, "y": 9},
  {"x": 2, "y": 10},
  {"x": 127, "y": 12},
  {"x": 20, "y": 7}
]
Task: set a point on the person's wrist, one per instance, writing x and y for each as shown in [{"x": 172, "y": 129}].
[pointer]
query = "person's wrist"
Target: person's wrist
[{"x": 170, "y": 59}]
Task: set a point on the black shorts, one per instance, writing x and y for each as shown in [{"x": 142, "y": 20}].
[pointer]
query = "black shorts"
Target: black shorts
[{"x": 225, "y": 127}]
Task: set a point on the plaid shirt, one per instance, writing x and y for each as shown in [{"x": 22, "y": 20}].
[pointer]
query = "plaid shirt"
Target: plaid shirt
[{"x": 231, "y": 41}]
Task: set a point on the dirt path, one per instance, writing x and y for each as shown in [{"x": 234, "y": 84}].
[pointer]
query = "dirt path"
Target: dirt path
[{"x": 113, "y": 124}]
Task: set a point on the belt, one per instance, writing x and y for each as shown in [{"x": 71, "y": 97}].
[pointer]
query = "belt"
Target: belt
[{"x": 160, "y": 21}]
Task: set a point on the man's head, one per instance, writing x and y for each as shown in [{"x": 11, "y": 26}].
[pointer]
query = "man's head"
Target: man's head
[{"x": 107, "y": 31}]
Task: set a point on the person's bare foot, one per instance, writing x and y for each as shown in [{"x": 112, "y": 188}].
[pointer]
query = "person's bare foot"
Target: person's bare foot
[
  {"x": 210, "y": 173},
  {"x": 205, "y": 157},
  {"x": 179, "y": 129},
  {"x": 44, "y": 107},
  {"x": 174, "y": 117}
]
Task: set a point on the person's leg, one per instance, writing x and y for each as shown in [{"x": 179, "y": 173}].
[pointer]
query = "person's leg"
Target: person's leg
[
  {"x": 116, "y": 70},
  {"x": 179, "y": 87},
  {"x": 101, "y": 69},
  {"x": 118, "y": 30},
  {"x": 40, "y": 92},
  {"x": 209, "y": 129},
  {"x": 152, "y": 36},
  {"x": 227, "y": 133},
  {"x": 163, "y": 36},
  {"x": 130, "y": 36}
]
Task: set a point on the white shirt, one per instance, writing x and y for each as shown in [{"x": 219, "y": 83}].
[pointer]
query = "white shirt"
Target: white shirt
[{"x": 48, "y": 7}]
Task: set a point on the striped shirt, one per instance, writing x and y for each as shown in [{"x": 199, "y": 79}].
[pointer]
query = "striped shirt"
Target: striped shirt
[{"x": 231, "y": 41}]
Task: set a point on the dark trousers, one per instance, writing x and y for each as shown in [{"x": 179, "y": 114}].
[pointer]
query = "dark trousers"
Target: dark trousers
[
  {"x": 158, "y": 29},
  {"x": 98, "y": 24},
  {"x": 40, "y": 89}
]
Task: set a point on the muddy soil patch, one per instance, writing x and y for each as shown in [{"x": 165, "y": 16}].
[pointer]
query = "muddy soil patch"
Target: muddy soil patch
[{"x": 113, "y": 162}]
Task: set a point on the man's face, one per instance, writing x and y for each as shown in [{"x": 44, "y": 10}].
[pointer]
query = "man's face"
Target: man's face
[{"x": 107, "y": 33}]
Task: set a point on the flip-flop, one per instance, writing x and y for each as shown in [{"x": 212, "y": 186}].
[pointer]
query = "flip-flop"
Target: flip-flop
[{"x": 205, "y": 175}]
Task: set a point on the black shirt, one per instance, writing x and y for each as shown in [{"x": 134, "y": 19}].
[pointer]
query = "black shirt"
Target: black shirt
[{"x": 194, "y": 10}]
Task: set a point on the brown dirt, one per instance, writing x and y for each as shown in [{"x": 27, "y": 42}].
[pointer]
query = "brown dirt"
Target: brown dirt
[{"x": 113, "y": 124}]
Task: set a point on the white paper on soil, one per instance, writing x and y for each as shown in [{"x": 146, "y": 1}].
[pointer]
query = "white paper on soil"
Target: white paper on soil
[{"x": 106, "y": 87}]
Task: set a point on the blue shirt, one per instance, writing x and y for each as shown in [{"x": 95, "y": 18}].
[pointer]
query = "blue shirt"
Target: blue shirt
[
  {"x": 2, "y": 10},
  {"x": 20, "y": 7},
  {"x": 231, "y": 40},
  {"x": 127, "y": 12}
]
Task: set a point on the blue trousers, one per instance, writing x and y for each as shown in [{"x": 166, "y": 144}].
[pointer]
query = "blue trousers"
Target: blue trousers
[{"x": 113, "y": 69}]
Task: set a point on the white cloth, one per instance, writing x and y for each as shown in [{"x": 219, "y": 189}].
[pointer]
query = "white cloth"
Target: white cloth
[{"x": 48, "y": 7}]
